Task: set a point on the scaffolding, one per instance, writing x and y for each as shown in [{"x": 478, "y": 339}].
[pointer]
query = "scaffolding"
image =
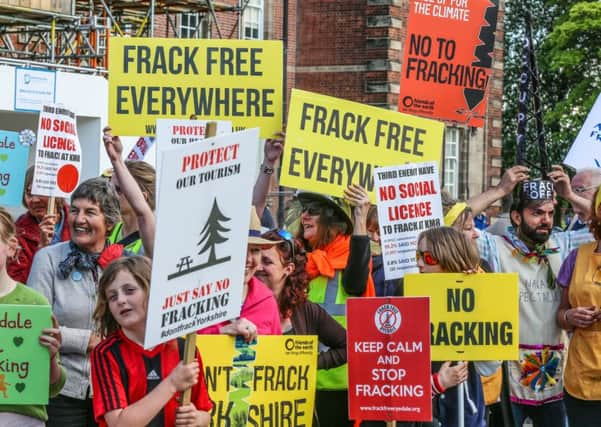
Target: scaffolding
[{"x": 75, "y": 34}]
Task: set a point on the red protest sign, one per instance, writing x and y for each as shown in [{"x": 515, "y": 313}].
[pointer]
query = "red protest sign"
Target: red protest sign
[
  {"x": 447, "y": 59},
  {"x": 388, "y": 346}
]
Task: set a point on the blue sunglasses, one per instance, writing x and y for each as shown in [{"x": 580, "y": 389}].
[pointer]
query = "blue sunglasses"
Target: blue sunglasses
[{"x": 285, "y": 234}]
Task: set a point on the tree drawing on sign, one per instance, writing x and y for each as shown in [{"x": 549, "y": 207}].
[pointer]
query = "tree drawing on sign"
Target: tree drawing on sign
[{"x": 212, "y": 234}]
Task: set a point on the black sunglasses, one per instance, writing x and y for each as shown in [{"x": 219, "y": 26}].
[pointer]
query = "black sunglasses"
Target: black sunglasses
[{"x": 312, "y": 208}]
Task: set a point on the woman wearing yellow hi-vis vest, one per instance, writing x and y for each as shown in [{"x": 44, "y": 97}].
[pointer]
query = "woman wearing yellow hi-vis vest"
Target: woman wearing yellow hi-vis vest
[
  {"x": 137, "y": 213},
  {"x": 339, "y": 267}
]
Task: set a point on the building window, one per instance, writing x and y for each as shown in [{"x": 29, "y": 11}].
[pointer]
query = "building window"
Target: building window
[
  {"x": 451, "y": 161},
  {"x": 252, "y": 19},
  {"x": 193, "y": 26}
]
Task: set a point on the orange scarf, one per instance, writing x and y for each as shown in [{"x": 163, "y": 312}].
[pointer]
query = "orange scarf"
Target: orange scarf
[{"x": 332, "y": 257}]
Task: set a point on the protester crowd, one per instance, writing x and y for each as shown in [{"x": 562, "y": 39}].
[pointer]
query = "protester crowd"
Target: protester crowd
[{"x": 90, "y": 261}]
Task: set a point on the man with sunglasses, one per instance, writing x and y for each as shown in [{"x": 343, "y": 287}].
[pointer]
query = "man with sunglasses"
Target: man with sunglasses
[{"x": 535, "y": 252}]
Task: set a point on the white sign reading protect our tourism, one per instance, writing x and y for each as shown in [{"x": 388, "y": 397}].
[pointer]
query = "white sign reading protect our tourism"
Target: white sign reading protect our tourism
[
  {"x": 408, "y": 203},
  {"x": 34, "y": 88},
  {"x": 586, "y": 149},
  {"x": 201, "y": 235},
  {"x": 172, "y": 133},
  {"x": 57, "y": 153}
]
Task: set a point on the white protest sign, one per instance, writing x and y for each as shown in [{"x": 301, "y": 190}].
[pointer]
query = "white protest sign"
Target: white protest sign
[
  {"x": 408, "y": 203},
  {"x": 201, "y": 235},
  {"x": 586, "y": 149},
  {"x": 57, "y": 154},
  {"x": 172, "y": 133},
  {"x": 141, "y": 147},
  {"x": 175, "y": 133}
]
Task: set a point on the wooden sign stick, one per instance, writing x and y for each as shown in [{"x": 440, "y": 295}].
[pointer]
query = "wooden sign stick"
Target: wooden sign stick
[{"x": 190, "y": 347}]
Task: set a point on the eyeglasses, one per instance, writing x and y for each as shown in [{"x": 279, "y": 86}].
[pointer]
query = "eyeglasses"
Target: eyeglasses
[
  {"x": 312, "y": 208},
  {"x": 580, "y": 190},
  {"x": 287, "y": 236},
  {"x": 426, "y": 256}
]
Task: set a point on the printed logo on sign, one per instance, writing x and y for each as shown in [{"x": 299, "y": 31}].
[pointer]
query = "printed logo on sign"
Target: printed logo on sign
[
  {"x": 596, "y": 132},
  {"x": 298, "y": 346},
  {"x": 387, "y": 319}
]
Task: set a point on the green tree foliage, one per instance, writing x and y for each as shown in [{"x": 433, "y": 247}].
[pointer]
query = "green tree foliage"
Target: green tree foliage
[{"x": 567, "y": 40}]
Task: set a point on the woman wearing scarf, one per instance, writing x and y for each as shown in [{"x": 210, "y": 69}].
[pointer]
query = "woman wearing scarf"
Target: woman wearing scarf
[
  {"x": 67, "y": 275},
  {"x": 338, "y": 264}
]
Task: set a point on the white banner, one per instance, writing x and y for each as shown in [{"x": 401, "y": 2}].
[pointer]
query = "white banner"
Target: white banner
[
  {"x": 408, "y": 203},
  {"x": 201, "y": 236},
  {"x": 34, "y": 88},
  {"x": 57, "y": 154},
  {"x": 586, "y": 149}
]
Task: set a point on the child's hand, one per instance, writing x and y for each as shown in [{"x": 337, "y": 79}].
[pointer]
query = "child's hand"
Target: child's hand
[
  {"x": 189, "y": 416},
  {"x": 51, "y": 338},
  {"x": 184, "y": 376},
  {"x": 450, "y": 376}
]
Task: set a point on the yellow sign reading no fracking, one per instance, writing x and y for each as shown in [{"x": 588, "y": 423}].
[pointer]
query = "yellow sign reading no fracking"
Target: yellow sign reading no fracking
[
  {"x": 472, "y": 316},
  {"x": 331, "y": 143},
  {"x": 235, "y": 80}
]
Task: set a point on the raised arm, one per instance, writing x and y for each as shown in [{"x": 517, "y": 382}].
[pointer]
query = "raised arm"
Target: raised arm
[
  {"x": 273, "y": 150},
  {"x": 512, "y": 177},
  {"x": 131, "y": 190},
  {"x": 356, "y": 272},
  {"x": 561, "y": 182}
]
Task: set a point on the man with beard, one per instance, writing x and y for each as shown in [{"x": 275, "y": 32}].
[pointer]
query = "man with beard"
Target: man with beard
[{"x": 536, "y": 253}]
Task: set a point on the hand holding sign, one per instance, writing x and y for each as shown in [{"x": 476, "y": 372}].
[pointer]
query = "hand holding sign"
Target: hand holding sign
[
  {"x": 451, "y": 376},
  {"x": 512, "y": 177},
  {"x": 47, "y": 229},
  {"x": 51, "y": 338},
  {"x": 184, "y": 376},
  {"x": 358, "y": 197},
  {"x": 242, "y": 326},
  {"x": 112, "y": 144},
  {"x": 188, "y": 415},
  {"x": 273, "y": 148}
]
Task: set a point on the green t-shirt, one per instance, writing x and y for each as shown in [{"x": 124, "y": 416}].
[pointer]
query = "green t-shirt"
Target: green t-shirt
[{"x": 26, "y": 296}]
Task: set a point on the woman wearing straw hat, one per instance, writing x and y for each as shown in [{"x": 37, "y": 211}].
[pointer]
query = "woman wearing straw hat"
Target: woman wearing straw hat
[{"x": 259, "y": 314}]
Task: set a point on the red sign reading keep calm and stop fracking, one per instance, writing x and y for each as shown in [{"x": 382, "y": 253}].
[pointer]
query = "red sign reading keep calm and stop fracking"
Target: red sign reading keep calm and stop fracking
[{"x": 389, "y": 359}]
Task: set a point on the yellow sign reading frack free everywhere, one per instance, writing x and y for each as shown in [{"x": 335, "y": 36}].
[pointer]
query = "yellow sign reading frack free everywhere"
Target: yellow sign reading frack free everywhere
[
  {"x": 268, "y": 382},
  {"x": 472, "y": 316},
  {"x": 331, "y": 143},
  {"x": 235, "y": 80}
]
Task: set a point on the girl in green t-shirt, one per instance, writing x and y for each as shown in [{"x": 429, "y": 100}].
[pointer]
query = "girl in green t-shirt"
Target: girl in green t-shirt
[{"x": 12, "y": 292}]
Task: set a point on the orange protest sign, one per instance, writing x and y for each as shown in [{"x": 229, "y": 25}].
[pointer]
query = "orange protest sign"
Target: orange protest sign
[{"x": 447, "y": 60}]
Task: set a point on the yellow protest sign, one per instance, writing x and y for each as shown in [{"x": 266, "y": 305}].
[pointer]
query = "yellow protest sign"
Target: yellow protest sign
[
  {"x": 331, "y": 143},
  {"x": 269, "y": 382},
  {"x": 236, "y": 80},
  {"x": 472, "y": 316}
]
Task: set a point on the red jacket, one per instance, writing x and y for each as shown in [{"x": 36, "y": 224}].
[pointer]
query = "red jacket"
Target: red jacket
[{"x": 28, "y": 235}]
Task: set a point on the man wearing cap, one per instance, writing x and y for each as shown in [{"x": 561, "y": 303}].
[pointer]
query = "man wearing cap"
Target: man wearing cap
[{"x": 536, "y": 253}]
